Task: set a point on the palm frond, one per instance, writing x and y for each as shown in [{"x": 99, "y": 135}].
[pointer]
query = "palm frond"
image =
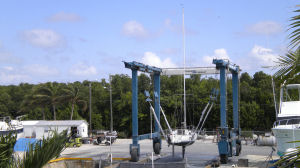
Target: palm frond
[
  {"x": 40, "y": 153},
  {"x": 7, "y": 143},
  {"x": 289, "y": 159},
  {"x": 295, "y": 28},
  {"x": 288, "y": 66}
]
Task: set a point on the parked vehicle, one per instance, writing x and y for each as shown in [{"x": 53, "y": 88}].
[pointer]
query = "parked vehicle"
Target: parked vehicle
[
  {"x": 74, "y": 142},
  {"x": 105, "y": 137}
]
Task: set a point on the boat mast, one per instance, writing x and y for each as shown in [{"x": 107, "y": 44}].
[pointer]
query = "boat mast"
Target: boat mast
[{"x": 184, "y": 96}]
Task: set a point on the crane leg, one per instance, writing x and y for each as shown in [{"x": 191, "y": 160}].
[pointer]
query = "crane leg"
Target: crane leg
[{"x": 183, "y": 151}]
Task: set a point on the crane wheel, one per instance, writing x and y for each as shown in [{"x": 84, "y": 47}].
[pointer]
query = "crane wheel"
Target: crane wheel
[
  {"x": 134, "y": 155},
  {"x": 156, "y": 148},
  {"x": 223, "y": 159}
]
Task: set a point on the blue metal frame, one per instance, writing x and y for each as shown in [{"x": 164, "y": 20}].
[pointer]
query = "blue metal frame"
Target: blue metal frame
[
  {"x": 135, "y": 129},
  {"x": 223, "y": 96},
  {"x": 226, "y": 146},
  {"x": 136, "y": 66},
  {"x": 157, "y": 106}
]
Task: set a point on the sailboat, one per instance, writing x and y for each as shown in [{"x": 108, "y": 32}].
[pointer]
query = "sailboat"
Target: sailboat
[{"x": 184, "y": 136}]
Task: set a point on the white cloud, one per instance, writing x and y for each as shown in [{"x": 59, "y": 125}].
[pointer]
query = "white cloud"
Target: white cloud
[
  {"x": 152, "y": 59},
  {"x": 258, "y": 59},
  {"x": 82, "y": 69},
  {"x": 265, "y": 28},
  {"x": 264, "y": 56},
  {"x": 8, "y": 58},
  {"x": 220, "y": 53},
  {"x": 8, "y": 68},
  {"x": 41, "y": 70},
  {"x": 44, "y": 38},
  {"x": 13, "y": 78},
  {"x": 135, "y": 30},
  {"x": 64, "y": 17}
]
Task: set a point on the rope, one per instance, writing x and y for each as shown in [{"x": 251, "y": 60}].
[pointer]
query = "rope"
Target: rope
[
  {"x": 206, "y": 115},
  {"x": 153, "y": 112},
  {"x": 162, "y": 111},
  {"x": 203, "y": 112}
]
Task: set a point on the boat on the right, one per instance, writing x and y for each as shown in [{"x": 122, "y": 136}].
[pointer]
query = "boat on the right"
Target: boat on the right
[{"x": 287, "y": 125}]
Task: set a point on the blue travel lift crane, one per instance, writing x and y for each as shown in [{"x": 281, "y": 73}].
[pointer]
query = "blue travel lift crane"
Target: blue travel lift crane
[
  {"x": 229, "y": 143},
  {"x": 135, "y": 147}
]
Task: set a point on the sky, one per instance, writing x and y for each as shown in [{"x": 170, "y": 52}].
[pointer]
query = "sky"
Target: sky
[{"x": 67, "y": 41}]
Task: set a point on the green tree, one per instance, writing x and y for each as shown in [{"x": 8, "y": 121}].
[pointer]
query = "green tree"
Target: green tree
[
  {"x": 5, "y": 103},
  {"x": 48, "y": 93},
  {"x": 71, "y": 94}
]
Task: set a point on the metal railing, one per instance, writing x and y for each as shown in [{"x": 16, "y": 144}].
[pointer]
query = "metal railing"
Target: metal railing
[{"x": 287, "y": 121}]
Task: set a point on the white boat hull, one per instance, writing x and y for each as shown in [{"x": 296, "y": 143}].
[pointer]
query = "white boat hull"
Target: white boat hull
[
  {"x": 183, "y": 138},
  {"x": 15, "y": 127},
  {"x": 285, "y": 134}
]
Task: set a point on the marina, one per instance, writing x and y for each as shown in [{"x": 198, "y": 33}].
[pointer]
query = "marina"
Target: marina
[{"x": 150, "y": 84}]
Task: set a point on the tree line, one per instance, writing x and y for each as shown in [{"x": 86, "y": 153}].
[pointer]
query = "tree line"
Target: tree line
[{"x": 67, "y": 101}]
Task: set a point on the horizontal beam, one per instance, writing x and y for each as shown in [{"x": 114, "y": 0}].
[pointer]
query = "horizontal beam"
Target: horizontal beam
[
  {"x": 190, "y": 71},
  {"x": 233, "y": 68},
  {"x": 148, "y": 136},
  {"x": 142, "y": 67}
]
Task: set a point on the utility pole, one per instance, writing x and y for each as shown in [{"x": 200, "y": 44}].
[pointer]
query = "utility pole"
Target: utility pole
[
  {"x": 90, "y": 88},
  {"x": 111, "y": 113}
]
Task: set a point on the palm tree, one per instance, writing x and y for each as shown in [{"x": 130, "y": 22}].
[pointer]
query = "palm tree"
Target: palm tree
[
  {"x": 289, "y": 64},
  {"x": 295, "y": 28},
  {"x": 289, "y": 159},
  {"x": 37, "y": 155},
  {"x": 48, "y": 94},
  {"x": 30, "y": 101},
  {"x": 7, "y": 143},
  {"x": 72, "y": 95}
]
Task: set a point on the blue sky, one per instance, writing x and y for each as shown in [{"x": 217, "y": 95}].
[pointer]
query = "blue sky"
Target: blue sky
[{"x": 68, "y": 41}]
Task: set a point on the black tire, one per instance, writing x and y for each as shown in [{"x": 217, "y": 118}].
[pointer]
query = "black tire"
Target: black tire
[
  {"x": 107, "y": 143},
  {"x": 134, "y": 155},
  {"x": 156, "y": 148},
  {"x": 223, "y": 159}
]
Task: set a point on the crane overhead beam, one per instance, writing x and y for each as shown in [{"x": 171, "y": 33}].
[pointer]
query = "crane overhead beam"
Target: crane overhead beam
[{"x": 191, "y": 71}]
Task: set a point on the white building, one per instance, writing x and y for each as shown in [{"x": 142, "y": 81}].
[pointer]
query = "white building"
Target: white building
[{"x": 41, "y": 128}]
